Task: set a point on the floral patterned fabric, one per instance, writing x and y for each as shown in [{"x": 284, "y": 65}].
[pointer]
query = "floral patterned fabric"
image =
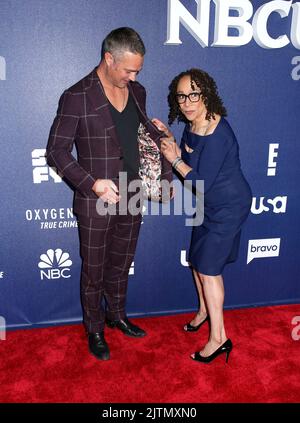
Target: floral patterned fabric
[{"x": 150, "y": 165}]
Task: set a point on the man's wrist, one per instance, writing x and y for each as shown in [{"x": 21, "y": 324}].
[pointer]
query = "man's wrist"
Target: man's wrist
[{"x": 95, "y": 184}]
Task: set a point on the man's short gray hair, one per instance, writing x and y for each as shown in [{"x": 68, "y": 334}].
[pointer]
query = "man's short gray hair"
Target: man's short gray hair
[{"x": 121, "y": 40}]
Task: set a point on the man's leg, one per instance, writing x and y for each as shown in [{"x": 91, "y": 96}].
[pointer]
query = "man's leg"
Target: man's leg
[
  {"x": 122, "y": 250},
  {"x": 116, "y": 274},
  {"x": 95, "y": 239}
]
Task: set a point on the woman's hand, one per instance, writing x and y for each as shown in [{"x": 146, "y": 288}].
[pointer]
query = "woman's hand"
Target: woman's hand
[{"x": 169, "y": 147}]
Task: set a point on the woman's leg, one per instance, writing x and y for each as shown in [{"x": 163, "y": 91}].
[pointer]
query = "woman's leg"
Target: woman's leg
[
  {"x": 202, "y": 313},
  {"x": 213, "y": 290}
]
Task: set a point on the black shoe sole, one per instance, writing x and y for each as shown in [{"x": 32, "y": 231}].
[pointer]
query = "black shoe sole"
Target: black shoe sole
[
  {"x": 128, "y": 334},
  {"x": 114, "y": 326},
  {"x": 134, "y": 336},
  {"x": 100, "y": 358}
]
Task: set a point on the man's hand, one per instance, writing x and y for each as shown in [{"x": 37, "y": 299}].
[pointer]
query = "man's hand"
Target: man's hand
[
  {"x": 169, "y": 148},
  {"x": 162, "y": 127},
  {"x": 107, "y": 190}
]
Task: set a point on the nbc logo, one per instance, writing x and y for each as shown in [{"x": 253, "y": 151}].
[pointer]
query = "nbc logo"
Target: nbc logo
[{"x": 55, "y": 264}]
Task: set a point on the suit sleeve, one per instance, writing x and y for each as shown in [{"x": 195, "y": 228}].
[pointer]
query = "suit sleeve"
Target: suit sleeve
[
  {"x": 210, "y": 162},
  {"x": 61, "y": 140}
]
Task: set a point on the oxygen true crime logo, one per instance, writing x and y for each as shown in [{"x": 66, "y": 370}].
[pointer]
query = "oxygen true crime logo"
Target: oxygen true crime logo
[{"x": 53, "y": 218}]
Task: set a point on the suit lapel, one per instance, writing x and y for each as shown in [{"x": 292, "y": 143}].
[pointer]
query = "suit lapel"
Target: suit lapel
[
  {"x": 150, "y": 127},
  {"x": 96, "y": 96}
]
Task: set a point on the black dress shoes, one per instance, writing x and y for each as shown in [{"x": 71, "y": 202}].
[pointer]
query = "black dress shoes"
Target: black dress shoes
[
  {"x": 126, "y": 327},
  {"x": 190, "y": 328},
  {"x": 98, "y": 346},
  {"x": 224, "y": 348}
]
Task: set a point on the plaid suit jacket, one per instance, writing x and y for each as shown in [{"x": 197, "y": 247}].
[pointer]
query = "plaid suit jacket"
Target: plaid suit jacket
[{"x": 83, "y": 117}]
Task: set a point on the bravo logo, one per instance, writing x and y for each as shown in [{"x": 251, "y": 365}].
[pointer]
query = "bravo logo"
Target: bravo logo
[
  {"x": 55, "y": 264},
  {"x": 234, "y": 14},
  {"x": 261, "y": 248}
]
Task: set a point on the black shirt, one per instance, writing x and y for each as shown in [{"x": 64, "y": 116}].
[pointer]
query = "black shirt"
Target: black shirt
[{"x": 127, "y": 124}]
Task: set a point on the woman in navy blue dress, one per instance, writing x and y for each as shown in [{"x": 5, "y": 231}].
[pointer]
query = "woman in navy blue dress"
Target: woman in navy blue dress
[{"x": 209, "y": 151}]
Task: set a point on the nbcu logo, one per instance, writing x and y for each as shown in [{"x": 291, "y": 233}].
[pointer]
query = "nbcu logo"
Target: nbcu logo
[{"x": 55, "y": 264}]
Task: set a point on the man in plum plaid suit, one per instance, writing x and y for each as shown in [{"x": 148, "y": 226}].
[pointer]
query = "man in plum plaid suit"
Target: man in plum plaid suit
[{"x": 101, "y": 114}]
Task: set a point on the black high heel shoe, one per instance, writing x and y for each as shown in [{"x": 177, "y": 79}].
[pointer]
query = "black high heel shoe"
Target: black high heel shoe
[
  {"x": 190, "y": 328},
  {"x": 224, "y": 348}
]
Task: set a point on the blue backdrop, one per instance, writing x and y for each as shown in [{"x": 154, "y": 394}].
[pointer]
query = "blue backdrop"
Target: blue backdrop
[{"x": 46, "y": 46}]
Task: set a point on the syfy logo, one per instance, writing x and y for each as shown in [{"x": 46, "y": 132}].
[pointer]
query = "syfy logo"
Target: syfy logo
[
  {"x": 224, "y": 20},
  {"x": 2, "y": 69},
  {"x": 1, "y": 275},
  {"x": 278, "y": 205},
  {"x": 41, "y": 171},
  {"x": 261, "y": 248},
  {"x": 56, "y": 264}
]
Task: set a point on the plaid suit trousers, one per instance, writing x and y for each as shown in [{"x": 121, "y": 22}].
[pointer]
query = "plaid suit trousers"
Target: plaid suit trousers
[{"x": 107, "y": 247}]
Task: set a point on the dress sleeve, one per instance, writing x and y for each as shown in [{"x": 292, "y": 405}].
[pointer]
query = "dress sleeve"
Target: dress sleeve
[
  {"x": 183, "y": 139},
  {"x": 210, "y": 161}
]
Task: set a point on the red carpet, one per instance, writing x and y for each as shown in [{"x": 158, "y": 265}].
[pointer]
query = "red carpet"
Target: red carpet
[{"x": 53, "y": 364}]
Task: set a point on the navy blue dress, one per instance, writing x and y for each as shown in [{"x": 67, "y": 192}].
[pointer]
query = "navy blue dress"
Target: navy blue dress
[{"x": 227, "y": 197}]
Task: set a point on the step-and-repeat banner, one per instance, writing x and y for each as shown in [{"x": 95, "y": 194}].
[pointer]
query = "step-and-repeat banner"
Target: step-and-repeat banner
[{"x": 252, "y": 50}]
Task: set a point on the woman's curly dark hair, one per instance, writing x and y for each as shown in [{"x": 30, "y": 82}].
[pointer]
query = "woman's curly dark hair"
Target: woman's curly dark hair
[{"x": 209, "y": 95}]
